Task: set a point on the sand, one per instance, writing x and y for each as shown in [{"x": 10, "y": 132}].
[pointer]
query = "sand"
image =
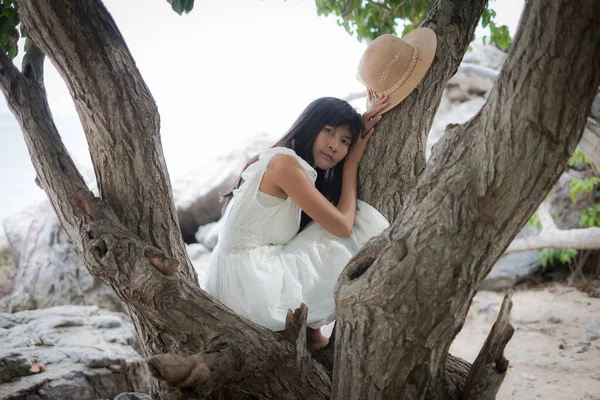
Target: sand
[{"x": 549, "y": 355}]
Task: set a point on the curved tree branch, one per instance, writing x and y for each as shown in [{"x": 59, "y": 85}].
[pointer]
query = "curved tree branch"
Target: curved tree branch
[
  {"x": 552, "y": 237},
  {"x": 483, "y": 181},
  {"x": 8, "y": 73},
  {"x": 118, "y": 114},
  {"x": 389, "y": 173},
  {"x": 33, "y": 64}
]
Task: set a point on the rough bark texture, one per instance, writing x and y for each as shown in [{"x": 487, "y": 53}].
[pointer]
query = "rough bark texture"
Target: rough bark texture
[
  {"x": 489, "y": 368},
  {"x": 171, "y": 313},
  {"x": 402, "y": 300},
  {"x": 400, "y": 307},
  {"x": 395, "y": 157},
  {"x": 118, "y": 114}
]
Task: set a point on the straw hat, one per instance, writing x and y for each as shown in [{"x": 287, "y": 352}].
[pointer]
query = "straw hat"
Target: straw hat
[{"x": 394, "y": 66}]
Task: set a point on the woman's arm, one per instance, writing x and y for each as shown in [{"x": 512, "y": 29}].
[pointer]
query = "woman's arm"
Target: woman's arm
[{"x": 286, "y": 173}]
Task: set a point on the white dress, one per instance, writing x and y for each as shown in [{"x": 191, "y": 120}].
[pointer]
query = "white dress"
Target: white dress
[{"x": 262, "y": 266}]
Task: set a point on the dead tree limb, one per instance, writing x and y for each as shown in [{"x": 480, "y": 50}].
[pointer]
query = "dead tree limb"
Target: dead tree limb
[
  {"x": 489, "y": 368},
  {"x": 550, "y": 237}
]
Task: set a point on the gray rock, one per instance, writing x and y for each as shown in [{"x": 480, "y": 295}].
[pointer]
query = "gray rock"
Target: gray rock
[
  {"x": 78, "y": 362},
  {"x": 486, "y": 56},
  {"x": 197, "y": 194},
  {"x": 199, "y": 256},
  {"x": 49, "y": 269},
  {"x": 567, "y": 213},
  {"x": 133, "y": 396},
  {"x": 106, "y": 321},
  {"x": 13, "y": 365},
  {"x": 8, "y": 269},
  {"x": 554, "y": 319},
  {"x": 593, "y": 329},
  {"x": 511, "y": 269}
]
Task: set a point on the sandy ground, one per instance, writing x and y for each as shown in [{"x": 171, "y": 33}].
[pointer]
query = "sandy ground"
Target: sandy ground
[{"x": 549, "y": 355}]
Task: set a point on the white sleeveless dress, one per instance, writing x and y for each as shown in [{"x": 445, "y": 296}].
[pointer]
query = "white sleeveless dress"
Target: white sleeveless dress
[{"x": 262, "y": 266}]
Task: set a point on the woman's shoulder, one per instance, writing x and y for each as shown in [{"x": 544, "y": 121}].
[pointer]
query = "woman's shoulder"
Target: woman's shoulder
[{"x": 268, "y": 154}]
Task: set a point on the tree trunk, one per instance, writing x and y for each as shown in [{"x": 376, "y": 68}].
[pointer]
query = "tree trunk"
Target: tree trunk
[
  {"x": 397, "y": 316},
  {"x": 395, "y": 157},
  {"x": 399, "y": 307}
]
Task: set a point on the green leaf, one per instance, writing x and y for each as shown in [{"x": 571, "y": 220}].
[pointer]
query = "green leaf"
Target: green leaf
[
  {"x": 190, "y": 6},
  {"x": 12, "y": 51},
  {"x": 177, "y": 6}
]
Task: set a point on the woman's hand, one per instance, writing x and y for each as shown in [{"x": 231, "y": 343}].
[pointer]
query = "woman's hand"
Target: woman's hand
[{"x": 369, "y": 120}]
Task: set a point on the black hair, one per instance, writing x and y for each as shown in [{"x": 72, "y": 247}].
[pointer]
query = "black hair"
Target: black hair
[{"x": 301, "y": 137}]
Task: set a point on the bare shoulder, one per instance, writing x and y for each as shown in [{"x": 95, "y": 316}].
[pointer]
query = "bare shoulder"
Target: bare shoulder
[{"x": 284, "y": 163}]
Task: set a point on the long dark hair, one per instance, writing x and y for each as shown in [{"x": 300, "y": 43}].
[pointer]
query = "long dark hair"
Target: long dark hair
[{"x": 302, "y": 135}]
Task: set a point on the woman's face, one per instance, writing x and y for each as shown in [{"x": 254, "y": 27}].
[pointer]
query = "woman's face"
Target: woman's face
[{"x": 331, "y": 146}]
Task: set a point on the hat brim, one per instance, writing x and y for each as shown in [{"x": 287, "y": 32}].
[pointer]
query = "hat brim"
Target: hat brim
[{"x": 425, "y": 41}]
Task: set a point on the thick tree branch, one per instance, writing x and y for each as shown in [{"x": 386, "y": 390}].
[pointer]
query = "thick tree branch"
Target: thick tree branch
[
  {"x": 413, "y": 297},
  {"x": 172, "y": 314},
  {"x": 201, "y": 373},
  {"x": 8, "y": 73},
  {"x": 118, "y": 114},
  {"x": 550, "y": 237},
  {"x": 33, "y": 64},
  {"x": 488, "y": 370},
  {"x": 389, "y": 173}
]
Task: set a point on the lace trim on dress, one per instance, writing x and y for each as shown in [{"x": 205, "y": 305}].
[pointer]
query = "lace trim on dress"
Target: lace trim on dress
[{"x": 243, "y": 240}]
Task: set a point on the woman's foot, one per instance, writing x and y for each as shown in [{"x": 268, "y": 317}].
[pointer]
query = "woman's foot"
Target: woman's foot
[{"x": 315, "y": 340}]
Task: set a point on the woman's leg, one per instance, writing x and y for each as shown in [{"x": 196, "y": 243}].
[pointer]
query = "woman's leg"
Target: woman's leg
[{"x": 315, "y": 339}]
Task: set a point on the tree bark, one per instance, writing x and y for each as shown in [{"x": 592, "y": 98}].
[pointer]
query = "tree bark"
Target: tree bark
[
  {"x": 397, "y": 314},
  {"x": 400, "y": 307},
  {"x": 119, "y": 116},
  {"x": 395, "y": 157}
]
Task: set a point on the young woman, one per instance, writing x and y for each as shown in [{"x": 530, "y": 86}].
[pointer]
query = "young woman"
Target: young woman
[{"x": 293, "y": 220}]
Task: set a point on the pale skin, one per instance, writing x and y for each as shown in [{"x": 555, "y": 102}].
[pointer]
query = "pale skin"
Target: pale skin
[{"x": 285, "y": 177}]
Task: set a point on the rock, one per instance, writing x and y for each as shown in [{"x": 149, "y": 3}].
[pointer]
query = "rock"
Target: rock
[
  {"x": 485, "y": 55},
  {"x": 8, "y": 269},
  {"x": 529, "y": 377},
  {"x": 133, "y": 396},
  {"x": 593, "y": 329},
  {"x": 197, "y": 194},
  {"x": 50, "y": 272},
  {"x": 554, "y": 319},
  {"x": 62, "y": 353},
  {"x": 513, "y": 268},
  {"x": 209, "y": 234},
  {"x": 455, "y": 113},
  {"x": 566, "y": 212},
  {"x": 199, "y": 256}
]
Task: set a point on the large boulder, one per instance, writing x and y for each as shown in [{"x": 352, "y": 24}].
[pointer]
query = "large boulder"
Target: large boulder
[
  {"x": 50, "y": 272},
  {"x": 566, "y": 212},
  {"x": 513, "y": 268},
  {"x": 69, "y": 352},
  {"x": 197, "y": 194},
  {"x": 7, "y": 273}
]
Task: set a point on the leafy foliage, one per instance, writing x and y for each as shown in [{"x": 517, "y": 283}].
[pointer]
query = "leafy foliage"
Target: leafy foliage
[
  {"x": 590, "y": 217},
  {"x": 9, "y": 32},
  {"x": 368, "y": 19},
  {"x": 552, "y": 256},
  {"x": 181, "y": 6}
]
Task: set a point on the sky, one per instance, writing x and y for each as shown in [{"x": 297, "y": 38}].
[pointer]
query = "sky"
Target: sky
[{"x": 227, "y": 71}]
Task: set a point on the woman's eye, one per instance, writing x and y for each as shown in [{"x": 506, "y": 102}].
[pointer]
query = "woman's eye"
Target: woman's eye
[{"x": 347, "y": 143}]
